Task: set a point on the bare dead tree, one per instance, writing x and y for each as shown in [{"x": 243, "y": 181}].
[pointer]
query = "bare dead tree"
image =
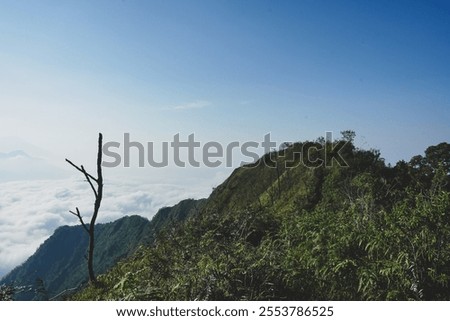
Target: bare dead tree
[{"x": 98, "y": 193}]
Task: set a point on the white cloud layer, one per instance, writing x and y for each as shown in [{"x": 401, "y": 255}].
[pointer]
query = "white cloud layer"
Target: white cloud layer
[
  {"x": 193, "y": 105},
  {"x": 30, "y": 211}
]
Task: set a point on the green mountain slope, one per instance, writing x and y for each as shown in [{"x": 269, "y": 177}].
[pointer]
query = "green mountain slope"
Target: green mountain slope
[
  {"x": 171, "y": 216},
  {"x": 60, "y": 262},
  {"x": 292, "y": 228}
]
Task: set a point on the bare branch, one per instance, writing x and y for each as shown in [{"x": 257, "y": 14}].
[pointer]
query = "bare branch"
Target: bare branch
[
  {"x": 99, "y": 181},
  {"x": 89, "y": 181},
  {"x": 79, "y": 169},
  {"x": 98, "y": 199},
  {"x": 77, "y": 214}
]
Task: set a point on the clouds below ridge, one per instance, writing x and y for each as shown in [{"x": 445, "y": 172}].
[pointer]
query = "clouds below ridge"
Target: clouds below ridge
[{"x": 30, "y": 211}]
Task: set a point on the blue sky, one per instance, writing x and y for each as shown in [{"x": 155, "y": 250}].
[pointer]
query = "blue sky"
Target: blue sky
[{"x": 240, "y": 69}]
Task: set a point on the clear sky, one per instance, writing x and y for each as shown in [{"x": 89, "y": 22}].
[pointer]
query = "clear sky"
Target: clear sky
[{"x": 224, "y": 70}]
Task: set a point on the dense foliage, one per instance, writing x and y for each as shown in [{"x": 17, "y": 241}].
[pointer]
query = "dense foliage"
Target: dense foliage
[
  {"x": 287, "y": 229},
  {"x": 6, "y": 292}
]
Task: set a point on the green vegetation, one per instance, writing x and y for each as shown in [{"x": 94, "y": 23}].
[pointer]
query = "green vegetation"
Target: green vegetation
[
  {"x": 6, "y": 292},
  {"x": 366, "y": 231}
]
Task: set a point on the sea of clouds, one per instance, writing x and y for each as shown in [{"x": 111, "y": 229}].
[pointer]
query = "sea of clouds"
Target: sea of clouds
[{"x": 30, "y": 211}]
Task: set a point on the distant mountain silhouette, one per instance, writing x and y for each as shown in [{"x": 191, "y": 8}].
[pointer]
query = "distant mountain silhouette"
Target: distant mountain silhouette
[{"x": 20, "y": 165}]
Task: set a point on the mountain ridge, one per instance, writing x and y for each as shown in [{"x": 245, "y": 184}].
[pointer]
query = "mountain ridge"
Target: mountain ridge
[
  {"x": 292, "y": 230},
  {"x": 366, "y": 231}
]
